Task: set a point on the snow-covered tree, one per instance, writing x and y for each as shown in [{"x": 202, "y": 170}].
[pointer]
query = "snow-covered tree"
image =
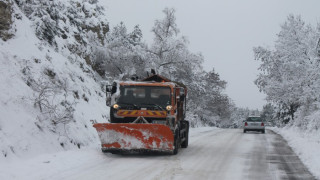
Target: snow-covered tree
[
  {"x": 169, "y": 51},
  {"x": 122, "y": 57},
  {"x": 238, "y": 116},
  {"x": 290, "y": 73},
  {"x": 170, "y": 56},
  {"x": 268, "y": 113}
]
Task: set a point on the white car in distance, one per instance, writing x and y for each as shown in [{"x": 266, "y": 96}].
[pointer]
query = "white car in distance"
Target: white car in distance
[{"x": 254, "y": 123}]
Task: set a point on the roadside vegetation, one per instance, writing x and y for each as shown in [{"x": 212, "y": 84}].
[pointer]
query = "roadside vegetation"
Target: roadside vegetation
[{"x": 290, "y": 75}]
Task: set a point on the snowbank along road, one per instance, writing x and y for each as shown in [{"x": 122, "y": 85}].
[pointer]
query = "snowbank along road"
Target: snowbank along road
[{"x": 212, "y": 154}]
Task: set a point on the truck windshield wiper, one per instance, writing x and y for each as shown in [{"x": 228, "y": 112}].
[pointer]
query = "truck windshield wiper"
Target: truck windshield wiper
[
  {"x": 154, "y": 105},
  {"x": 159, "y": 107},
  {"x": 134, "y": 105}
]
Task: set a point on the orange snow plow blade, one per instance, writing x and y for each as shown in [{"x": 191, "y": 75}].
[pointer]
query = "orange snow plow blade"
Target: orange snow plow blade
[{"x": 122, "y": 137}]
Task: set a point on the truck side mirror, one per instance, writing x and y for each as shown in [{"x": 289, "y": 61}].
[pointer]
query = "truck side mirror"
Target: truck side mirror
[
  {"x": 111, "y": 88},
  {"x": 108, "y": 88},
  {"x": 114, "y": 88},
  {"x": 108, "y": 95}
]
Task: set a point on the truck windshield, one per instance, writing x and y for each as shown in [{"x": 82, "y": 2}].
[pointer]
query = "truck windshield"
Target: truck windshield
[{"x": 145, "y": 96}]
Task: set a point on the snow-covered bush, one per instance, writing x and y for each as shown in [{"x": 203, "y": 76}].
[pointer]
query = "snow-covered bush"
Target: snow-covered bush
[
  {"x": 53, "y": 101},
  {"x": 69, "y": 26}
]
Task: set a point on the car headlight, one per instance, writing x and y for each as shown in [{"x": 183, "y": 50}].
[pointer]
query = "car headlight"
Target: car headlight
[
  {"x": 169, "y": 107},
  {"x": 115, "y": 106}
]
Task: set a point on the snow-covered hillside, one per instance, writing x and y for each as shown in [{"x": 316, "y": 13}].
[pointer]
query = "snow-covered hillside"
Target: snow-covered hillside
[
  {"x": 49, "y": 55},
  {"x": 47, "y": 98}
]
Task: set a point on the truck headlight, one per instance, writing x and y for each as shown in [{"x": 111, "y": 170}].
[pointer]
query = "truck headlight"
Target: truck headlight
[
  {"x": 169, "y": 107},
  {"x": 115, "y": 106}
]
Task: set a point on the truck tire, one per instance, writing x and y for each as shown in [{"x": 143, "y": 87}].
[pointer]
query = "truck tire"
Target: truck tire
[
  {"x": 176, "y": 142},
  {"x": 185, "y": 143}
]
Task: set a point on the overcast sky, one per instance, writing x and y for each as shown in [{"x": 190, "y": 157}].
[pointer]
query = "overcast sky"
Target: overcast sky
[{"x": 224, "y": 31}]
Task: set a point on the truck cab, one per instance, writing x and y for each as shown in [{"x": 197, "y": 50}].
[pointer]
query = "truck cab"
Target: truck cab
[
  {"x": 161, "y": 102},
  {"x": 146, "y": 115}
]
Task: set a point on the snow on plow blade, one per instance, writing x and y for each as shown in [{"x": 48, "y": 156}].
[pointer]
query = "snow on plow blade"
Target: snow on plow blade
[{"x": 122, "y": 137}]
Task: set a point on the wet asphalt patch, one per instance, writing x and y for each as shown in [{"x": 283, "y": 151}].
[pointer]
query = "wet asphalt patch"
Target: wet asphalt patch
[{"x": 285, "y": 159}]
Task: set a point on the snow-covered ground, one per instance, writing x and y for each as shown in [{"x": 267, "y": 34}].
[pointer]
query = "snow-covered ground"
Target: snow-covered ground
[
  {"x": 67, "y": 164},
  {"x": 306, "y": 145},
  {"x": 212, "y": 154}
]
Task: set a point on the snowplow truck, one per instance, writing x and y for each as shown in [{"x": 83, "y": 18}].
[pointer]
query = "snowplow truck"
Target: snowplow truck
[{"x": 145, "y": 116}]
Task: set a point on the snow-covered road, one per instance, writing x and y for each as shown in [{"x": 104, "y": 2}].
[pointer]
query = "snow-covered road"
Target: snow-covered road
[{"x": 212, "y": 154}]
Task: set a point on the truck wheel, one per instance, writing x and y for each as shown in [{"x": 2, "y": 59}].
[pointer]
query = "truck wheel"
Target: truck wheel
[
  {"x": 185, "y": 143},
  {"x": 176, "y": 142}
]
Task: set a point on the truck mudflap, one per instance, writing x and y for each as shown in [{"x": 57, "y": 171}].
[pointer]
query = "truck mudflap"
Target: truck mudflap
[{"x": 126, "y": 137}]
